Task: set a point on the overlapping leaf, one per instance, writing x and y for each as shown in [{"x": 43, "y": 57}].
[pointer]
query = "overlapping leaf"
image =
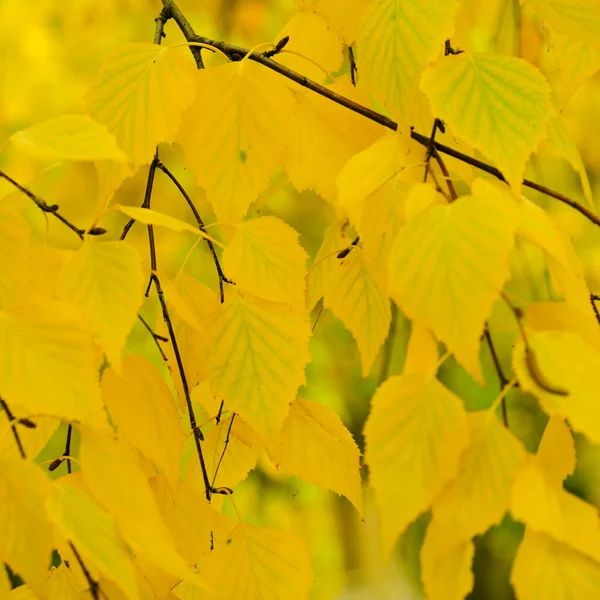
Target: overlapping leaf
[
  {"x": 498, "y": 104},
  {"x": 140, "y": 93},
  {"x": 414, "y": 436},
  {"x": 105, "y": 280},
  {"x": 315, "y": 445},
  {"x": 259, "y": 350},
  {"x": 447, "y": 267},
  {"x": 234, "y": 133}
]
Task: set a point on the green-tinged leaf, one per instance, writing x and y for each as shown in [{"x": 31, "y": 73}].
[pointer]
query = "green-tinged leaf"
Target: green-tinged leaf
[
  {"x": 234, "y": 133},
  {"x": 25, "y": 533},
  {"x": 69, "y": 137},
  {"x": 105, "y": 279},
  {"x": 51, "y": 368},
  {"x": 579, "y": 19},
  {"x": 414, "y": 437},
  {"x": 448, "y": 265},
  {"x": 498, "y": 104},
  {"x": 545, "y": 568},
  {"x": 259, "y": 563},
  {"x": 115, "y": 477},
  {"x": 355, "y": 297},
  {"x": 396, "y": 41},
  {"x": 259, "y": 350},
  {"x": 315, "y": 445},
  {"x": 265, "y": 258},
  {"x": 144, "y": 410},
  {"x": 563, "y": 371},
  {"x": 139, "y": 94},
  {"x": 92, "y": 530}
]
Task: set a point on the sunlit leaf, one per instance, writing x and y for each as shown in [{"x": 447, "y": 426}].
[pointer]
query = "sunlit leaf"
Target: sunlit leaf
[
  {"x": 140, "y": 93},
  {"x": 69, "y": 137},
  {"x": 259, "y": 350},
  {"x": 265, "y": 258},
  {"x": 355, "y": 297},
  {"x": 105, "y": 279},
  {"x": 414, "y": 436},
  {"x": 396, "y": 41},
  {"x": 33, "y": 440},
  {"x": 143, "y": 408},
  {"x": 259, "y": 563},
  {"x": 316, "y": 446},
  {"x": 447, "y": 267},
  {"x": 234, "y": 132},
  {"x": 343, "y": 15},
  {"x": 498, "y": 104}
]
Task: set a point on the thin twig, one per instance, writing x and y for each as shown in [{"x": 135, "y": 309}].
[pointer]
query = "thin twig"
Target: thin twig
[
  {"x": 13, "y": 425},
  {"x": 51, "y": 209},
  {"x": 155, "y": 337},
  {"x": 235, "y": 53},
  {"x": 162, "y": 18},
  {"x": 94, "y": 585},
  {"x": 593, "y": 299},
  {"x": 499, "y": 371},
  {"x": 200, "y": 222},
  {"x": 223, "y": 453},
  {"x": 353, "y": 67}
]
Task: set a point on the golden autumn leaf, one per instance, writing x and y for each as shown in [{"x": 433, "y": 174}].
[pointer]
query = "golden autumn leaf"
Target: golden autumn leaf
[
  {"x": 140, "y": 93},
  {"x": 93, "y": 531},
  {"x": 105, "y": 279},
  {"x": 354, "y": 296},
  {"x": 315, "y": 445},
  {"x": 115, "y": 477},
  {"x": 415, "y": 434},
  {"x": 259, "y": 563},
  {"x": 343, "y": 15},
  {"x": 265, "y": 258},
  {"x": 259, "y": 350},
  {"x": 247, "y": 108},
  {"x": 144, "y": 410},
  {"x": 25, "y": 532},
  {"x": 498, "y": 104},
  {"x": 396, "y": 41},
  {"x": 447, "y": 267},
  {"x": 69, "y": 137}
]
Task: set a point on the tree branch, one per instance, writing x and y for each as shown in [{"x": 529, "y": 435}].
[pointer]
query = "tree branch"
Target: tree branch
[
  {"x": 94, "y": 585},
  {"x": 43, "y": 206},
  {"x": 13, "y": 425}
]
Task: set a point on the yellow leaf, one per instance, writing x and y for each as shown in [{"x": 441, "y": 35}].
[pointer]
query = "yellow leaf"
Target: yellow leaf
[
  {"x": 545, "y": 568},
  {"x": 414, "y": 437},
  {"x": 51, "y": 368},
  {"x": 325, "y": 136},
  {"x": 33, "y": 440},
  {"x": 259, "y": 563},
  {"x": 244, "y": 109},
  {"x": 140, "y": 93},
  {"x": 193, "y": 588},
  {"x": 105, "y": 279},
  {"x": 480, "y": 494},
  {"x": 343, "y": 15},
  {"x": 566, "y": 377},
  {"x": 94, "y": 534},
  {"x": 561, "y": 144},
  {"x": 498, "y": 104},
  {"x": 116, "y": 479},
  {"x": 556, "y": 452},
  {"x": 259, "y": 350},
  {"x": 15, "y": 235},
  {"x": 446, "y": 564},
  {"x": 143, "y": 408},
  {"x": 316, "y": 446},
  {"x": 355, "y": 298},
  {"x": 311, "y": 37},
  {"x": 239, "y": 456},
  {"x": 422, "y": 351},
  {"x": 448, "y": 265},
  {"x": 69, "y": 137},
  {"x": 25, "y": 533},
  {"x": 579, "y": 19},
  {"x": 64, "y": 583},
  {"x": 265, "y": 258},
  {"x": 396, "y": 41}
]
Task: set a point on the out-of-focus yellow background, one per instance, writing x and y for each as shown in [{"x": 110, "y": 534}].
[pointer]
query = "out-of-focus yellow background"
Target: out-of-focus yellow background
[{"x": 49, "y": 54}]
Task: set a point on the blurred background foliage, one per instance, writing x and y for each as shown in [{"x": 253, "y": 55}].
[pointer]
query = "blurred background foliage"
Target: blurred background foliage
[{"x": 49, "y": 54}]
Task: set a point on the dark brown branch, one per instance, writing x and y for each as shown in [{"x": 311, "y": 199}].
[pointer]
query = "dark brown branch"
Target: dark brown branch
[
  {"x": 94, "y": 585},
  {"x": 66, "y": 454},
  {"x": 594, "y": 299},
  {"x": 200, "y": 222},
  {"x": 499, "y": 371},
  {"x": 51, "y": 209},
  {"x": 155, "y": 337},
  {"x": 162, "y": 18},
  {"x": 223, "y": 453},
  {"x": 172, "y": 11},
  {"x": 13, "y": 425},
  {"x": 237, "y": 53}
]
